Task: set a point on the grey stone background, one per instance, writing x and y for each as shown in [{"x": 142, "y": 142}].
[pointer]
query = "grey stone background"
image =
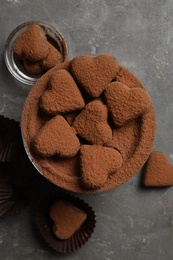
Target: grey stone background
[{"x": 132, "y": 223}]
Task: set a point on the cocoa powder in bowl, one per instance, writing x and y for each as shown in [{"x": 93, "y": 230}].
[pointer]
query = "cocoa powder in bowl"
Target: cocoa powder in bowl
[{"x": 66, "y": 173}]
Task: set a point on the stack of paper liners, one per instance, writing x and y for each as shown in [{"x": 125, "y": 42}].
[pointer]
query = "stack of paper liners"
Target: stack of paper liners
[
  {"x": 10, "y": 140},
  {"x": 45, "y": 226},
  {"x": 9, "y": 205},
  {"x": 18, "y": 177}
]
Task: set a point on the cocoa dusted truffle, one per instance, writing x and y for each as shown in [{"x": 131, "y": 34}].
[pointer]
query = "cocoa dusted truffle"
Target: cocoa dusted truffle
[
  {"x": 97, "y": 164},
  {"x": 31, "y": 45},
  {"x": 54, "y": 57},
  {"x": 62, "y": 96},
  {"x": 94, "y": 73},
  {"x": 124, "y": 103},
  {"x": 33, "y": 67},
  {"x": 128, "y": 135},
  {"x": 92, "y": 123},
  {"x": 38, "y": 48},
  {"x": 64, "y": 222},
  {"x": 66, "y": 217},
  {"x": 56, "y": 137},
  {"x": 158, "y": 172}
]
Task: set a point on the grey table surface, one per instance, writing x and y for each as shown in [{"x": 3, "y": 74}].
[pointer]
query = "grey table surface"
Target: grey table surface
[{"x": 132, "y": 223}]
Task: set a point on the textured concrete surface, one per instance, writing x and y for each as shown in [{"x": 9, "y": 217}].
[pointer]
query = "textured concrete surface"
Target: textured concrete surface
[{"x": 132, "y": 223}]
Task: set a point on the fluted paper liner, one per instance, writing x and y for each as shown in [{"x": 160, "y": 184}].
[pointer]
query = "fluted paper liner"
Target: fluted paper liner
[
  {"x": 17, "y": 186},
  {"x": 18, "y": 177},
  {"x": 45, "y": 225},
  {"x": 10, "y": 202},
  {"x": 10, "y": 139}
]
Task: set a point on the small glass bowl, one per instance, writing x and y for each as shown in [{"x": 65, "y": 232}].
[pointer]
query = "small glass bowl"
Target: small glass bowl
[{"x": 14, "y": 65}]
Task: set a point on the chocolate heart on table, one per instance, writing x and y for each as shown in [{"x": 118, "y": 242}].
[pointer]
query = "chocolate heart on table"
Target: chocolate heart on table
[
  {"x": 94, "y": 74},
  {"x": 97, "y": 164},
  {"x": 62, "y": 96},
  {"x": 32, "y": 44},
  {"x": 157, "y": 171},
  {"x": 91, "y": 124},
  {"x": 56, "y": 137},
  {"x": 66, "y": 217},
  {"x": 124, "y": 103}
]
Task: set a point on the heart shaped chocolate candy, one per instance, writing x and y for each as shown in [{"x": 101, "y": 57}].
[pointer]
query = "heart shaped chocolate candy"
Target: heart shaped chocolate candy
[
  {"x": 66, "y": 217},
  {"x": 124, "y": 103},
  {"x": 94, "y": 74},
  {"x": 157, "y": 171},
  {"x": 97, "y": 164},
  {"x": 56, "y": 137},
  {"x": 91, "y": 124},
  {"x": 32, "y": 44},
  {"x": 62, "y": 96},
  {"x": 54, "y": 57}
]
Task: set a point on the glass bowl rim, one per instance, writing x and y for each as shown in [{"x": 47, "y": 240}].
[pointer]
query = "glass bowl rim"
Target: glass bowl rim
[{"x": 8, "y": 52}]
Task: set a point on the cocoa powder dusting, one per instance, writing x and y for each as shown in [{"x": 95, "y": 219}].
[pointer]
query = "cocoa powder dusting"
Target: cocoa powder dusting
[
  {"x": 62, "y": 96},
  {"x": 125, "y": 76},
  {"x": 97, "y": 163},
  {"x": 109, "y": 155},
  {"x": 66, "y": 217},
  {"x": 157, "y": 171},
  {"x": 93, "y": 74},
  {"x": 35, "y": 51},
  {"x": 124, "y": 103},
  {"x": 33, "y": 67},
  {"x": 56, "y": 137},
  {"x": 31, "y": 45},
  {"x": 54, "y": 57},
  {"x": 91, "y": 123}
]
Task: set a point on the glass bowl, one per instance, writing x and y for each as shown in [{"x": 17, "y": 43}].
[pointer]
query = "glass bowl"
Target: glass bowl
[
  {"x": 65, "y": 173},
  {"x": 14, "y": 65}
]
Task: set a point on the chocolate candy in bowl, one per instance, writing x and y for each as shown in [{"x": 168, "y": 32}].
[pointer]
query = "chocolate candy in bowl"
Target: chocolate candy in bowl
[
  {"x": 32, "y": 48},
  {"x": 115, "y": 127}
]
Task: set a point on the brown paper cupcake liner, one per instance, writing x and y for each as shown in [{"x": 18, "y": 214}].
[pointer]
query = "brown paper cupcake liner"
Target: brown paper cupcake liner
[
  {"x": 10, "y": 202},
  {"x": 10, "y": 140},
  {"x": 17, "y": 187},
  {"x": 18, "y": 177},
  {"x": 45, "y": 226}
]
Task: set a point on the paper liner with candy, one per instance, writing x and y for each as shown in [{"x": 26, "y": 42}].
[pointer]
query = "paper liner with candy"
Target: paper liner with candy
[{"x": 68, "y": 238}]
